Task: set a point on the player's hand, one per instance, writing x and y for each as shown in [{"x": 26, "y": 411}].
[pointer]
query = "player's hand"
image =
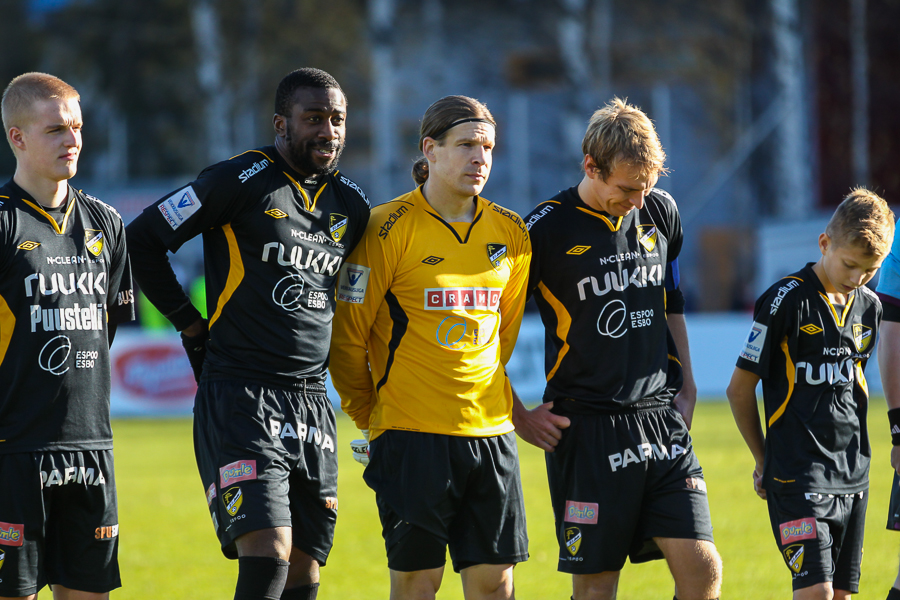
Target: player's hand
[
  {"x": 195, "y": 346},
  {"x": 539, "y": 426},
  {"x": 757, "y": 483},
  {"x": 360, "y": 448},
  {"x": 684, "y": 403},
  {"x": 895, "y": 458}
]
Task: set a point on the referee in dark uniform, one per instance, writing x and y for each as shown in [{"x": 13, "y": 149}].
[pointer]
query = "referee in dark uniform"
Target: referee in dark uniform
[
  {"x": 624, "y": 480},
  {"x": 277, "y": 223}
]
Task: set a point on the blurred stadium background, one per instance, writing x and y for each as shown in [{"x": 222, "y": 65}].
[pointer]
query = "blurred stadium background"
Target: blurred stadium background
[{"x": 770, "y": 112}]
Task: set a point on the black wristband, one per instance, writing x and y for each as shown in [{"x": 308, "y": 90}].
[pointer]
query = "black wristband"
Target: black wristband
[{"x": 894, "y": 422}]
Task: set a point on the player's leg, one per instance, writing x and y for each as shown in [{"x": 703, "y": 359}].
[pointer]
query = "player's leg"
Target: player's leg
[
  {"x": 848, "y": 530},
  {"x": 416, "y": 585},
  {"x": 488, "y": 582},
  {"x": 596, "y": 586},
  {"x": 893, "y": 524},
  {"x": 695, "y": 566},
  {"x": 63, "y": 593},
  {"x": 818, "y": 591}
]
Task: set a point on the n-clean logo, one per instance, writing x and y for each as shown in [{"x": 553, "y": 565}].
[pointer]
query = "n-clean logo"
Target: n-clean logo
[
  {"x": 496, "y": 254},
  {"x": 862, "y": 336},
  {"x": 811, "y": 329},
  {"x": 28, "y": 245},
  {"x": 93, "y": 241},
  {"x": 647, "y": 236},
  {"x": 276, "y": 213},
  {"x": 337, "y": 226}
]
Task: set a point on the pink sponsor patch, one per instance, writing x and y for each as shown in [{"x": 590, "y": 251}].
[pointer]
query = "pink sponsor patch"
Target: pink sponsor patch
[
  {"x": 12, "y": 534},
  {"x": 237, "y": 471},
  {"x": 581, "y": 512},
  {"x": 210, "y": 494},
  {"x": 793, "y": 531}
]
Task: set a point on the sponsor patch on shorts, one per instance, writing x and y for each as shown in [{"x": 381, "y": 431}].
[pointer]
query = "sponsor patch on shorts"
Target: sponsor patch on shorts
[
  {"x": 695, "y": 483},
  {"x": 210, "y": 494},
  {"x": 240, "y": 470},
  {"x": 178, "y": 208},
  {"x": 794, "y": 531},
  {"x": 107, "y": 532},
  {"x": 755, "y": 339},
  {"x": 12, "y": 534},
  {"x": 352, "y": 283},
  {"x": 582, "y": 512}
]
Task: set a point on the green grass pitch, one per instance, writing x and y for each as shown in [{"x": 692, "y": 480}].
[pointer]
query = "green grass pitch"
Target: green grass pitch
[{"x": 168, "y": 548}]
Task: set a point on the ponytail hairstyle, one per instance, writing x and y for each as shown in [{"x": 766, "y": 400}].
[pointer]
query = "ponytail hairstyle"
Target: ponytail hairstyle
[{"x": 441, "y": 117}]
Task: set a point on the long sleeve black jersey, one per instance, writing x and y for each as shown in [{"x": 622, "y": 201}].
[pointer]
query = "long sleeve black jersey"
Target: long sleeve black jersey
[
  {"x": 811, "y": 357},
  {"x": 62, "y": 286},
  {"x": 272, "y": 253},
  {"x": 600, "y": 283}
]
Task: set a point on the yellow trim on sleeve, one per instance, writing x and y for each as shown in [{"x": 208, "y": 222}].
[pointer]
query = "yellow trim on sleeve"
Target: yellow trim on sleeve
[
  {"x": 675, "y": 358},
  {"x": 7, "y": 324},
  {"x": 235, "y": 272},
  {"x": 563, "y": 322},
  {"x": 60, "y": 229},
  {"x": 790, "y": 372},
  {"x": 861, "y": 377}
]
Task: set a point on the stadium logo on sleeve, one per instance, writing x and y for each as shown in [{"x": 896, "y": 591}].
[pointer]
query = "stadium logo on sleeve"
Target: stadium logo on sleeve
[
  {"x": 582, "y": 512},
  {"x": 240, "y": 470},
  {"x": 352, "y": 283},
  {"x": 573, "y": 540},
  {"x": 862, "y": 336},
  {"x": 578, "y": 250},
  {"x": 793, "y": 556},
  {"x": 337, "y": 226},
  {"x": 178, "y": 208},
  {"x": 647, "y": 236},
  {"x": 93, "y": 241},
  {"x": 232, "y": 499},
  {"x": 794, "y": 531},
  {"x": 811, "y": 329},
  {"x": 12, "y": 534},
  {"x": 752, "y": 349},
  {"x": 276, "y": 213},
  {"x": 496, "y": 254},
  {"x": 28, "y": 245}
]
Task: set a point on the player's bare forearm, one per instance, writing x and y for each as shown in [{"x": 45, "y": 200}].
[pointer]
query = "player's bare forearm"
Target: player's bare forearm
[
  {"x": 539, "y": 427},
  {"x": 741, "y": 394},
  {"x": 686, "y": 400},
  {"x": 889, "y": 361}
]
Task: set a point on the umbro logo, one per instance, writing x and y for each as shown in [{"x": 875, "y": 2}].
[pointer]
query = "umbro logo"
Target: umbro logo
[
  {"x": 811, "y": 329},
  {"x": 276, "y": 213},
  {"x": 28, "y": 245},
  {"x": 578, "y": 250},
  {"x": 432, "y": 260}
]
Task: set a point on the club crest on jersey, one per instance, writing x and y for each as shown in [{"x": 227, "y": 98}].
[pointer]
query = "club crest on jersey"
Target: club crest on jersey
[
  {"x": 496, "y": 254},
  {"x": 647, "y": 236},
  {"x": 793, "y": 556},
  {"x": 811, "y": 329},
  {"x": 28, "y": 245},
  {"x": 93, "y": 241},
  {"x": 2, "y": 558},
  {"x": 573, "y": 540},
  {"x": 337, "y": 226},
  {"x": 232, "y": 498},
  {"x": 862, "y": 336}
]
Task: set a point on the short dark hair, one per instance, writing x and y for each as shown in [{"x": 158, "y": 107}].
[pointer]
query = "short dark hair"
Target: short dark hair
[{"x": 306, "y": 77}]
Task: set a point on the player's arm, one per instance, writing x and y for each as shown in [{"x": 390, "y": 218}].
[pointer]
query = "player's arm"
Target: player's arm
[
  {"x": 741, "y": 394},
  {"x": 120, "y": 298},
  {"x": 686, "y": 400},
  {"x": 889, "y": 365}
]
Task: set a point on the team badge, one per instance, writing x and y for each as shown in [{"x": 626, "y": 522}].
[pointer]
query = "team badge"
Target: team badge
[
  {"x": 647, "y": 236},
  {"x": 93, "y": 241},
  {"x": 573, "y": 540},
  {"x": 496, "y": 254},
  {"x": 811, "y": 329},
  {"x": 276, "y": 213},
  {"x": 793, "y": 556},
  {"x": 233, "y": 498},
  {"x": 28, "y": 245},
  {"x": 337, "y": 226},
  {"x": 2, "y": 558},
  {"x": 862, "y": 336}
]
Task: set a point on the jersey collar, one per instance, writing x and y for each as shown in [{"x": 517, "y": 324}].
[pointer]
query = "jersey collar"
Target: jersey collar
[{"x": 17, "y": 193}]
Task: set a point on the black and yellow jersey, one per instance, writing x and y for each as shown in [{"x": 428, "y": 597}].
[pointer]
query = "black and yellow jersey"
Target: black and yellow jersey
[
  {"x": 811, "y": 356},
  {"x": 601, "y": 283},
  {"x": 272, "y": 252},
  {"x": 428, "y": 313},
  {"x": 63, "y": 285}
]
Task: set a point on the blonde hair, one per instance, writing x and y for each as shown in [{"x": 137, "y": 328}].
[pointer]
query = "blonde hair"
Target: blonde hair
[
  {"x": 622, "y": 133},
  {"x": 440, "y": 118},
  {"x": 26, "y": 90},
  {"x": 863, "y": 220}
]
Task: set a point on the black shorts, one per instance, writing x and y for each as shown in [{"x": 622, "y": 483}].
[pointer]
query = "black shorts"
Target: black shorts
[
  {"x": 820, "y": 536},
  {"x": 267, "y": 459},
  {"x": 619, "y": 480},
  {"x": 65, "y": 531},
  {"x": 893, "y": 522},
  {"x": 433, "y": 490}
]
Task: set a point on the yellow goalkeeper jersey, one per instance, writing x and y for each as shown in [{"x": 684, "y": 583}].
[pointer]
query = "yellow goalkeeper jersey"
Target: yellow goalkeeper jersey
[{"x": 427, "y": 314}]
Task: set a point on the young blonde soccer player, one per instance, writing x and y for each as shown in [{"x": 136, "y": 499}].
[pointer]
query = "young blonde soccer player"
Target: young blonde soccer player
[{"x": 813, "y": 333}]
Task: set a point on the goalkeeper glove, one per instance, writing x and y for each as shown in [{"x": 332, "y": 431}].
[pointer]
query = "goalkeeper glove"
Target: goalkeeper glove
[
  {"x": 360, "y": 448},
  {"x": 195, "y": 346}
]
